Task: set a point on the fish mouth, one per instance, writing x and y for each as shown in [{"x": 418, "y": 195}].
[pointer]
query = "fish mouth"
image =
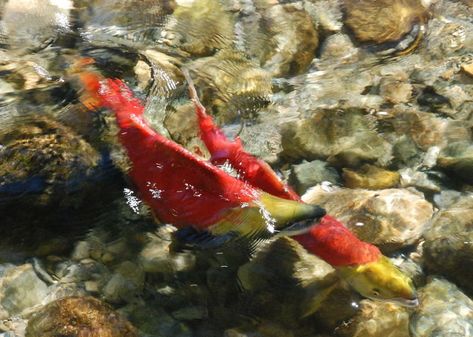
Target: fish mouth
[{"x": 409, "y": 303}]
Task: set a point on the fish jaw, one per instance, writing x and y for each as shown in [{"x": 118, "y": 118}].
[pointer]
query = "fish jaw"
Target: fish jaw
[{"x": 380, "y": 280}]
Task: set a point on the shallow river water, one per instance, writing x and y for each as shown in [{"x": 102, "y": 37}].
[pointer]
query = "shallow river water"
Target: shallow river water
[{"x": 364, "y": 107}]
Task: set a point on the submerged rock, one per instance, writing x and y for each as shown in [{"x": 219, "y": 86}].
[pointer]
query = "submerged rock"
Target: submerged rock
[
  {"x": 458, "y": 159},
  {"x": 370, "y": 177},
  {"x": 78, "y": 316},
  {"x": 308, "y": 174},
  {"x": 231, "y": 84},
  {"x": 295, "y": 289},
  {"x": 319, "y": 137},
  {"x": 50, "y": 170},
  {"x": 383, "y": 21},
  {"x": 47, "y": 152},
  {"x": 33, "y": 24},
  {"x": 125, "y": 284},
  {"x": 289, "y": 40},
  {"x": 448, "y": 247},
  {"x": 200, "y": 28},
  {"x": 375, "y": 319},
  {"x": 444, "y": 311},
  {"x": 20, "y": 289},
  {"x": 157, "y": 256},
  {"x": 390, "y": 219}
]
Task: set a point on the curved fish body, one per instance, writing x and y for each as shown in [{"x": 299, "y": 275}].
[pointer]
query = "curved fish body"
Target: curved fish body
[
  {"x": 251, "y": 169},
  {"x": 359, "y": 263},
  {"x": 184, "y": 190}
]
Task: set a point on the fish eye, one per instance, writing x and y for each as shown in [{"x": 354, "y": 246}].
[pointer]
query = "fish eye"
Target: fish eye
[{"x": 375, "y": 292}]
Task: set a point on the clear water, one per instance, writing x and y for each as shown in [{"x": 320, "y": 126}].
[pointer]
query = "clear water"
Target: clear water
[{"x": 317, "y": 88}]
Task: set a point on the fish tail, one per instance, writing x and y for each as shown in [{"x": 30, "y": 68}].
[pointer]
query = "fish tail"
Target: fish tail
[
  {"x": 116, "y": 96},
  {"x": 219, "y": 146}
]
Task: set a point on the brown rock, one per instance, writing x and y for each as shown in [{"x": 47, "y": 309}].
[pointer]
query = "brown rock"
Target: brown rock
[
  {"x": 377, "y": 319},
  {"x": 381, "y": 21},
  {"x": 468, "y": 68},
  {"x": 370, "y": 177},
  {"x": 79, "y": 317}
]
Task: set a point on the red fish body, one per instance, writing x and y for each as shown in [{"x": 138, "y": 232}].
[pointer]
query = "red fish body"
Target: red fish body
[
  {"x": 251, "y": 169},
  {"x": 337, "y": 245},
  {"x": 181, "y": 188},
  {"x": 185, "y": 190}
]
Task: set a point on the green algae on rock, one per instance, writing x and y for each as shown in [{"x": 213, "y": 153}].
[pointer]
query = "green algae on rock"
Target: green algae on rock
[{"x": 76, "y": 317}]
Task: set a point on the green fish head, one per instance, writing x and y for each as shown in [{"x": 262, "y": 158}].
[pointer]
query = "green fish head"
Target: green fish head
[{"x": 381, "y": 280}]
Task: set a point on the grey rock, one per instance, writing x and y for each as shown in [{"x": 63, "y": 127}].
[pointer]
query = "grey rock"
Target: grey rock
[
  {"x": 375, "y": 319},
  {"x": 21, "y": 289},
  {"x": 151, "y": 320},
  {"x": 32, "y": 24},
  {"x": 319, "y": 137},
  {"x": 295, "y": 289},
  {"x": 338, "y": 48},
  {"x": 156, "y": 256},
  {"x": 126, "y": 283},
  {"x": 444, "y": 311},
  {"x": 448, "y": 247},
  {"x": 458, "y": 158},
  {"x": 326, "y": 13},
  {"x": 308, "y": 174}
]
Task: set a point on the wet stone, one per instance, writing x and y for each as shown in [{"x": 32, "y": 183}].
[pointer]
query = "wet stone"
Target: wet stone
[
  {"x": 458, "y": 158},
  {"x": 383, "y": 21},
  {"x": 338, "y": 47},
  {"x": 297, "y": 288},
  {"x": 318, "y": 137},
  {"x": 396, "y": 91},
  {"x": 308, "y": 174},
  {"x": 390, "y": 219},
  {"x": 375, "y": 319},
  {"x": 151, "y": 320},
  {"x": 370, "y": 177},
  {"x": 231, "y": 85},
  {"x": 125, "y": 284},
  {"x": 448, "y": 247},
  {"x": 443, "y": 311},
  {"x": 156, "y": 256},
  {"x": 294, "y": 37},
  {"x": 32, "y": 24},
  {"x": 326, "y": 13},
  {"x": 200, "y": 28},
  {"x": 78, "y": 316},
  {"x": 14, "y": 298}
]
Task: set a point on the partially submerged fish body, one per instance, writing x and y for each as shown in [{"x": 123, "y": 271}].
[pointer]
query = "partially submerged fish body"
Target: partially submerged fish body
[
  {"x": 185, "y": 190},
  {"x": 360, "y": 264}
]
